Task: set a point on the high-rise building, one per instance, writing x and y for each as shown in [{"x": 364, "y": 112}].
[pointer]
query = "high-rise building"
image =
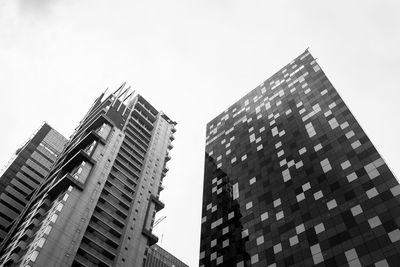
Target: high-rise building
[
  {"x": 25, "y": 171},
  {"x": 97, "y": 205},
  {"x": 159, "y": 257},
  {"x": 291, "y": 179}
]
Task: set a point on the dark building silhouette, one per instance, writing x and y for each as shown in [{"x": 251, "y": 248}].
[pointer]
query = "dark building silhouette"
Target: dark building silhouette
[
  {"x": 159, "y": 257},
  {"x": 308, "y": 188},
  {"x": 25, "y": 171},
  {"x": 97, "y": 205}
]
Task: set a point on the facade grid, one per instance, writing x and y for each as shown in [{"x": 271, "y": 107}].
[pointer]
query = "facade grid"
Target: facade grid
[{"x": 291, "y": 179}]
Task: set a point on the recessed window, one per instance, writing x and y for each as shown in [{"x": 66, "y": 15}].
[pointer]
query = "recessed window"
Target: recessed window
[
  {"x": 249, "y": 205},
  {"x": 264, "y": 216},
  {"x": 372, "y": 192},
  {"x": 345, "y": 164},
  {"x": 319, "y": 228},
  {"x": 277, "y": 248},
  {"x": 300, "y": 229},
  {"x": 293, "y": 240},
  {"x": 254, "y": 259},
  {"x": 317, "y": 147},
  {"x": 279, "y": 215},
  {"x": 260, "y": 240},
  {"x": 277, "y": 202},
  {"x": 326, "y": 166},
  {"x": 331, "y": 204},
  {"x": 374, "y": 222}
]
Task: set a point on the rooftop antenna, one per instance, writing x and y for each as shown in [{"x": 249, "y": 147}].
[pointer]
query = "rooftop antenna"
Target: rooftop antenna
[
  {"x": 129, "y": 101},
  {"x": 119, "y": 90},
  {"x": 122, "y": 86},
  {"x": 122, "y": 97}
]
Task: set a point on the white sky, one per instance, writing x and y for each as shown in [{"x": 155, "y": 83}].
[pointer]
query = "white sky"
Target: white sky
[{"x": 191, "y": 59}]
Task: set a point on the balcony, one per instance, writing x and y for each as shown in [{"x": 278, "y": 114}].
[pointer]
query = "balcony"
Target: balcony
[
  {"x": 170, "y": 146},
  {"x": 104, "y": 213},
  {"x": 165, "y": 117},
  {"x": 91, "y": 125},
  {"x": 143, "y": 142},
  {"x": 104, "y": 233},
  {"x": 77, "y": 159},
  {"x": 162, "y": 187},
  {"x": 11, "y": 260},
  {"x": 63, "y": 184},
  {"x": 97, "y": 255},
  {"x": 135, "y": 144},
  {"x": 126, "y": 170},
  {"x": 97, "y": 123},
  {"x": 113, "y": 212},
  {"x": 40, "y": 213},
  {"x": 129, "y": 161},
  {"x": 132, "y": 154},
  {"x": 114, "y": 204},
  {"x": 133, "y": 130},
  {"x": 165, "y": 169},
  {"x": 20, "y": 246},
  {"x": 135, "y": 121},
  {"x": 151, "y": 237},
  {"x": 100, "y": 243},
  {"x": 112, "y": 186},
  {"x": 82, "y": 261},
  {"x": 142, "y": 119},
  {"x": 147, "y": 105},
  {"x": 33, "y": 223},
  {"x": 108, "y": 221},
  {"x": 85, "y": 142},
  {"x": 28, "y": 233},
  {"x": 158, "y": 204},
  {"x": 109, "y": 192},
  {"x": 45, "y": 203},
  {"x": 143, "y": 108}
]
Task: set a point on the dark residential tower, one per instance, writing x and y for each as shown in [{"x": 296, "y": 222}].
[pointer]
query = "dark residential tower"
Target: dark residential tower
[
  {"x": 97, "y": 205},
  {"x": 25, "y": 171},
  {"x": 291, "y": 179}
]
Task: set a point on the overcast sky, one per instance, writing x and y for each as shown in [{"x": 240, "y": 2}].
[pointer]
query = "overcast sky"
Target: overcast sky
[{"x": 191, "y": 59}]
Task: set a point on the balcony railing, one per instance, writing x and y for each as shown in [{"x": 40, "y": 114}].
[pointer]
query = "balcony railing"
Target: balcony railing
[{"x": 94, "y": 253}]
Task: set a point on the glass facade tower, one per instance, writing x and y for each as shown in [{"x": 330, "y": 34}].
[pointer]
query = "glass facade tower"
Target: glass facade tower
[
  {"x": 96, "y": 207},
  {"x": 291, "y": 179}
]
